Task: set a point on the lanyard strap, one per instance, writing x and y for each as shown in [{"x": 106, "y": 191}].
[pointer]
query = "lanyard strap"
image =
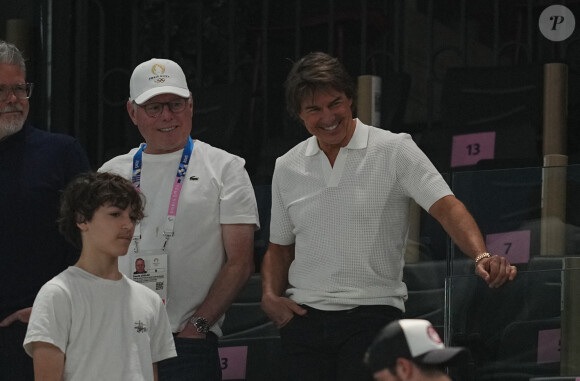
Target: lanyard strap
[{"x": 168, "y": 229}]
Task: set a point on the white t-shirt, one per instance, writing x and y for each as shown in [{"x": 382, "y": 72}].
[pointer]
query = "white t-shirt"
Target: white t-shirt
[
  {"x": 108, "y": 330},
  {"x": 216, "y": 190},
  {"x": 350, "y": 222}
]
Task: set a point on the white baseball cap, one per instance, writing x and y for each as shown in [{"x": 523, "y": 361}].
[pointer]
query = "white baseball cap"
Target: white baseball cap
[
  {"x": 157, "y": 76},
  {"x": 413, "y": 339}
]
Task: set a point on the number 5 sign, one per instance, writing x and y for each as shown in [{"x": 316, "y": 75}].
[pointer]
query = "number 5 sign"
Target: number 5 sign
[{"x": 471, "y": 148}]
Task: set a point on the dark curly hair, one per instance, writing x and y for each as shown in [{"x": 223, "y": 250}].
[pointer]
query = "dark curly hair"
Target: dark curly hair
[
  {"x": 316, "y": 71},
  {"x": 88, "y": 192}
]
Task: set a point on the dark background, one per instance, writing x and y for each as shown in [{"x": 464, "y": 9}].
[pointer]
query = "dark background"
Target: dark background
[
  {"x": 236, "y": 55},
  {"x": 448, "y": 67}
]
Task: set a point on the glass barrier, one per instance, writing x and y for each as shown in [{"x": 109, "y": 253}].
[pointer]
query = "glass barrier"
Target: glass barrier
[
  {"x": 508, "y": 207},
  {"x": 525, "y": 329},
  {"x": 529, "y": 328}
]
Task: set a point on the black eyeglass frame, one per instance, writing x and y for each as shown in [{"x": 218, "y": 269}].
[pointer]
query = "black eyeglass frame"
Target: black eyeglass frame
[
  {"x": 179, "y": 103},
  {"x": 17, "y": 89}
]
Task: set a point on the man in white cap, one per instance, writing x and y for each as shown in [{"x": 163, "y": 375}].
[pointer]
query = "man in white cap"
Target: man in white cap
[
  {"x": 411, "y": 350},
  {"x": 200, "y": 218}
]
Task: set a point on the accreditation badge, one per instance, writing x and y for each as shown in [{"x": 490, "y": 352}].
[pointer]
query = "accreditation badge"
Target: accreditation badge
[{"x": 150, "y": 269}]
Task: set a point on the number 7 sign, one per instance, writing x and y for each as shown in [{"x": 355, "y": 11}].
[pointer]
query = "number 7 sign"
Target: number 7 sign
[{"x": 515, "y": 245}]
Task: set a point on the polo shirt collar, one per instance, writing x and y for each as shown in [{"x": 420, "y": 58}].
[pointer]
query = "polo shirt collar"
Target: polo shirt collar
[{"x": 359, "y": 140}]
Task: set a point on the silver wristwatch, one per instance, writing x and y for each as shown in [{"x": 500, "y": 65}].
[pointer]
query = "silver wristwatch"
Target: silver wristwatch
[{"x": 201, "y": 324}]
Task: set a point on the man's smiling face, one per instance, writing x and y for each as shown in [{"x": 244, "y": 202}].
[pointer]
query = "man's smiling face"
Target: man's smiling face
[{"x": 169, "y": 131}]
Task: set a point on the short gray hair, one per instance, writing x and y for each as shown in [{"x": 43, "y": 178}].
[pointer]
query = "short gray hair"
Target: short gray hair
[{"x": 9, "y": 54}]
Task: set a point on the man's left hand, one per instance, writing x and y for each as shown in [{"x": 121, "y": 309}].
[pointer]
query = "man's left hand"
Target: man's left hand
[{"x": 495, "y": 270}]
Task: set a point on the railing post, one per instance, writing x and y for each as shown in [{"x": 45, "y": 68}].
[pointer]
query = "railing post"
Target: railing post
[{"x": 553, "y": 232}]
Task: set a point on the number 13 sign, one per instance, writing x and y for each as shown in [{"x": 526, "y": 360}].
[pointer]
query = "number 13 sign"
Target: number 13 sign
[{"x": 471, "y": 148}]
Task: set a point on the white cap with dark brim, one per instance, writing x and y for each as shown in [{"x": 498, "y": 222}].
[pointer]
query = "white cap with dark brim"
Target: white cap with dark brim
[{"x": 413, "y": 339}]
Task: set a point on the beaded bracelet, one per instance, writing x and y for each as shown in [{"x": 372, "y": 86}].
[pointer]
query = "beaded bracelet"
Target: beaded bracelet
[{"x": 481, "y": 256}]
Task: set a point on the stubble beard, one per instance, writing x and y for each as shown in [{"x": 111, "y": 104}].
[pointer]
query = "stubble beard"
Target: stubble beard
[{"x": 10, "y": 127}]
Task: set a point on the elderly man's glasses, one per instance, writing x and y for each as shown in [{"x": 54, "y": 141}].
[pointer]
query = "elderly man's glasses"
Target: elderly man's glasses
[
  {"x": 20, "y": 91},
  {"x": 155, "y": 109}
]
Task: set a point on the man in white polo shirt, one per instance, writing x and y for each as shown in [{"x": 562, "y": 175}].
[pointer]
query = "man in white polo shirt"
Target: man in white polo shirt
[{"x": 332, "y": 275}]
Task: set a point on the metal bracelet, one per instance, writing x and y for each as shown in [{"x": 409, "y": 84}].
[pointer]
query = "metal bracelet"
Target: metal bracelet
[{"x": 481, "y": 256}]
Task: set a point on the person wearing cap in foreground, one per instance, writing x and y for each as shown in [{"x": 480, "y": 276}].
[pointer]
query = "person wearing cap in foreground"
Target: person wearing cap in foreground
[
  {"x": 200, "y": 218},
  {"x": 411, "y": 350}
]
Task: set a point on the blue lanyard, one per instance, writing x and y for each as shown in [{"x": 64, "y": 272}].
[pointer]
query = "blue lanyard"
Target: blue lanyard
[{"x": 168, "y": 230}]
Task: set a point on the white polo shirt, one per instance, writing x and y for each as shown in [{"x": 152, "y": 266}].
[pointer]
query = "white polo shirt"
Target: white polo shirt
[{"x": 350, "y": 222}]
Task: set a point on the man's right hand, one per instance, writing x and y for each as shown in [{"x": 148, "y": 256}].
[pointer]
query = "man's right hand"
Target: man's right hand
[{"x": 280, "y": 309}]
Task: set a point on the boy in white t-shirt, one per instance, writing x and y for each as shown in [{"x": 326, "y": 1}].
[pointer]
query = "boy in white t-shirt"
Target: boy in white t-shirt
[{"x": 91, "y": 322}]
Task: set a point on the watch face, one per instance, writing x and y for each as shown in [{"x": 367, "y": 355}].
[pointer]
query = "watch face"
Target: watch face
[{"x": 201, "y": 324}]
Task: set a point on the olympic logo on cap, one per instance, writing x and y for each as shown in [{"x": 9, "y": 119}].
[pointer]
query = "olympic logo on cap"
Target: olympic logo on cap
[{"x": 158, "y": 69}]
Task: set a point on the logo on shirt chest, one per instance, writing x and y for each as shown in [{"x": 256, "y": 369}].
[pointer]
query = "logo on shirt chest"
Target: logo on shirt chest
[{"x": 140, "y": 327}]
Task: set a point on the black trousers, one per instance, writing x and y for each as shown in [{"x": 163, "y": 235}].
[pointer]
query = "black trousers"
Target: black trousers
[{"x": 330, "y": 345}]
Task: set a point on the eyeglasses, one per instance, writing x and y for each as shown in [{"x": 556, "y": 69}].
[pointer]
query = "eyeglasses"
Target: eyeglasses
[
  {"x": 20, "y": 91},
  {"x": 155, "y": 109}
]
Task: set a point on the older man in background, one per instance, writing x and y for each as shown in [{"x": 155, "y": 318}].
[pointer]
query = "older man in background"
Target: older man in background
[{"x": 35, "y": 166}]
